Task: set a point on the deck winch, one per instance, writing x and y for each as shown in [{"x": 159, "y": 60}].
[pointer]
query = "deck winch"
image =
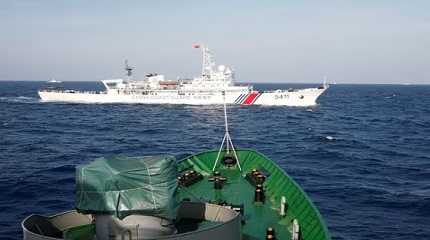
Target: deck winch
[
  {"x": 218, "y": 180},
  {"x": 259, "y": 195},
  {"x": 256, "y": 177},
  {"x": 229, "y": 160},
  {"x": 189, "y": 178},
  {"x": 270, "y": 233}
]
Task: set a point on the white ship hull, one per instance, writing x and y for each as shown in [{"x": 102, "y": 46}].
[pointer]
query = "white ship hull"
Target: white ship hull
[
  {"x": 303, "y": 97},
  {"x": 207, "y": 89}
]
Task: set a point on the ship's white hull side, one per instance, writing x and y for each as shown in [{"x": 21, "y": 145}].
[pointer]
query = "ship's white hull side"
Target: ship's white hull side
[
  {"x": 156, "y": 98},
  {"x": 300, "y": 98},
  {"x": 304, "y": 97}
]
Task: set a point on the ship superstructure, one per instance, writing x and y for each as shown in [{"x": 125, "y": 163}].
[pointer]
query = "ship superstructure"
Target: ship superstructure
[{"x": 208, "y": 88}]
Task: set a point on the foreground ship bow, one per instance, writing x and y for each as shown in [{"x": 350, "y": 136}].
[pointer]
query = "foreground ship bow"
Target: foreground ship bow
[
  {"x": 160, "y": 198},
  {"x": 203, "y": 90}
]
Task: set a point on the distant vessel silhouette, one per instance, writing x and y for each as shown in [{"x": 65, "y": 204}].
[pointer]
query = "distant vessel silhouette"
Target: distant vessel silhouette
[
  {"x": 54, "y": 81},
  {"x": 206, "y": 89}
]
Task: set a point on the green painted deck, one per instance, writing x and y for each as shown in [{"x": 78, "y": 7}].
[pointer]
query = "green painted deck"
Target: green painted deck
[{"x": 237, "y": 190}]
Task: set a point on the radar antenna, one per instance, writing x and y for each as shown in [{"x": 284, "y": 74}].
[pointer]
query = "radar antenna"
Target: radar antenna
[
  {"x": 129, "y": 70},
  {"x": 229, "y": 158},
  {"x": 208, "y": 60}
]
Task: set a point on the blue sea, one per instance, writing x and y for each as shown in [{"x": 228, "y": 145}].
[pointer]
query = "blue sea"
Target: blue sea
[{"x": 362, "y": 154}]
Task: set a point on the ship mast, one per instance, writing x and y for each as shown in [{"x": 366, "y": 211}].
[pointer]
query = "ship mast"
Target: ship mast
[
  {"x": 208, "y": 63},
  {"x": 129, "y": 70}
]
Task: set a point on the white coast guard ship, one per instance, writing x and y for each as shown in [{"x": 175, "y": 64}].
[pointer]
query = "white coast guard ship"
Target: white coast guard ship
[{"x": 206, "y": 89}]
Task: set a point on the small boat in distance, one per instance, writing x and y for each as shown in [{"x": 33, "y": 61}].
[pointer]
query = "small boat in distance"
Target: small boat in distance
[
  {"x": 205, "y": 89},
  {"x": 54, "y": 81}
]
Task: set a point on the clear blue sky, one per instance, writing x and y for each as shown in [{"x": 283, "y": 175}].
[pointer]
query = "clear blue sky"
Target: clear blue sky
[{"x": 364, "y": 41}]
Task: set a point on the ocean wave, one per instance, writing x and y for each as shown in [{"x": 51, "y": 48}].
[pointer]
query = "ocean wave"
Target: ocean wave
[
  {"x": 20, "y": 99},
  {"x": 361, "y": 158}
]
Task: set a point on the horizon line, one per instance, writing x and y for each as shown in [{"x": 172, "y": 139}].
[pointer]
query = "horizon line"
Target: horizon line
[{"x": 250, "y": 82}]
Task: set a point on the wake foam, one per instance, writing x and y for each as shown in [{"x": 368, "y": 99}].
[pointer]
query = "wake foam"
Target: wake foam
[{"x": 20, "y": 99}]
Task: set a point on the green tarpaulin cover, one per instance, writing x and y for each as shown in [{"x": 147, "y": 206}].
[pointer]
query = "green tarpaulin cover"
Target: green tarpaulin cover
[{"x": 128, "y": 185}]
